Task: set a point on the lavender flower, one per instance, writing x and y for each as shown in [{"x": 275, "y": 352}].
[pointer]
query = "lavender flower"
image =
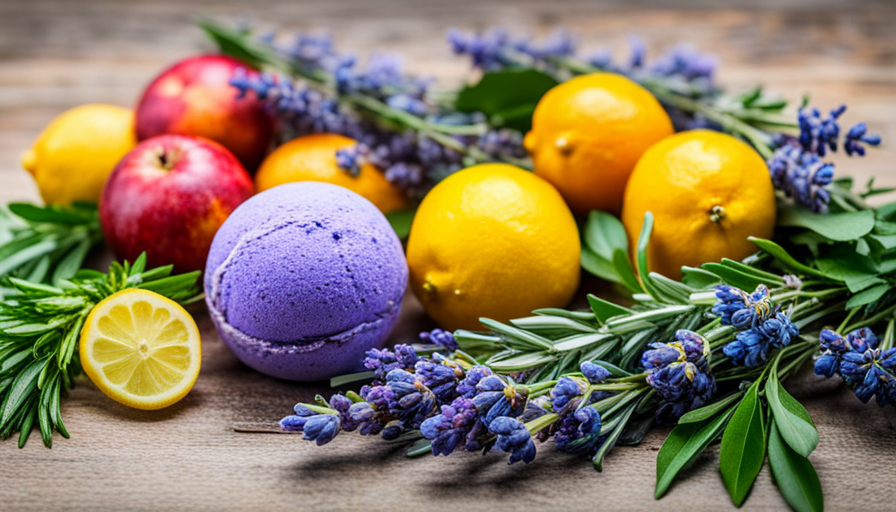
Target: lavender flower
[
  {"x": 594, "y": 372},
  {"x": 467, "y": 387},
  {"x": 513, "y": 438},
  {"x": 383, "y": 361},
  {"x": 440, "y": 337},
  {"x": 867, "y": 369},
  {"x": 455, "y": 426},
  {"x": 680, "y": 374},
  {"x": 495, "y": 397},
  {"x": 797, "y": 168},
  {"x": 441, "y": 379},
  {"x": 762, "y": 326},
  {"x": 316, "y": 426},
  {"x": 579, "y": 432}
]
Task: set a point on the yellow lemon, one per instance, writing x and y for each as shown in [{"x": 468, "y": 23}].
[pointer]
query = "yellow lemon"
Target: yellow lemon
[
  {"x": 313, "y": 158},
  {"x": 141, "y": 349},
  {"x": 492, "y": 241},
  {"x": 588, "y": 133},
  {"x": 708, "y": 192},
  {"x": 76, "y": 152}
]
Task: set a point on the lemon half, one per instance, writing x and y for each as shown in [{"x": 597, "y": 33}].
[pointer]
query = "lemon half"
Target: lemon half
[{"x": 141, "y": 349}]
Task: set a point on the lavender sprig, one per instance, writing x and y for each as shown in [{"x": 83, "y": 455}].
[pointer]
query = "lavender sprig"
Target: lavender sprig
[{"x": 400, "y": 128}]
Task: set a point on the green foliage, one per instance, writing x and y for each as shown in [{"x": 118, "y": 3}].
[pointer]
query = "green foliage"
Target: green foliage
[
  {"x": 685, "y": 443},
  {"x": 508, "y": 97},
  {"x": 743, "y": 446},
  {"x": 40, "y": 327},
  {"x": 46, "y": 244},
  {"x": 401, "y": 222},
  {"x": 794, "y": 474}
]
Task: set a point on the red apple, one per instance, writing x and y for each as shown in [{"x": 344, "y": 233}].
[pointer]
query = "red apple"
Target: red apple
[
  {"x": 193, "y": 97},
  {"x": 168, "y": 197}
]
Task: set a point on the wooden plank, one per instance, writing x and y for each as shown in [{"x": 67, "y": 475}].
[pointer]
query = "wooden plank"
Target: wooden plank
[{"x": 55, "y": 54}]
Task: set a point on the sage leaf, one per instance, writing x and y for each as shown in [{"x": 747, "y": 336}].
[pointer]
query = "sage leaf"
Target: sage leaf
[
  {"x": 51, "y": 214},
  {"x": 794, "y": 423},
  {"x": 401, "y": 222},
  {"x": 867, "y": 296},
  {"x": 623, "y": 267},
  {"x": 708, "y": 411},
  {"x": 743, "y": 446},
  {"x": 840, "y": 227},
  {"x": 598, "y": 266},
  {"x": 684, "y": 444},
  {"x": 778, "y": 252},
  {"x": 794, "y": 474},
  {"x": 604, "y": 234},
  {"x": 508, "y": 97}
]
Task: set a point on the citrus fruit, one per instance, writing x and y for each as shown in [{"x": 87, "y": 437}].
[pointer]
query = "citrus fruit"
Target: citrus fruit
[
  {"x": 76, "y": 152},
  {"x": 313, "y": 158},
  {"x": 141, "y": 349},
  {"x": 588, "y": 133},
  {"x": 708, "y": 192},
  {"x": 492, "y": 241}
]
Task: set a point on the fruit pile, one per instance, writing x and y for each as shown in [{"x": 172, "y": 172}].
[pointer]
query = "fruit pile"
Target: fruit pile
[{"x": 292, "y": 194}]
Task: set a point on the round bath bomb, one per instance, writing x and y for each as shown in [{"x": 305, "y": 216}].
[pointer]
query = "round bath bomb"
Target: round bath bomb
[{"x": 303, "y": 279}]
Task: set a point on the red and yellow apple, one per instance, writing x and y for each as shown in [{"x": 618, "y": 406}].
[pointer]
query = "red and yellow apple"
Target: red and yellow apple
[
  {"x": 168, "y": 197},
  {"x": 193, "y": 97}
]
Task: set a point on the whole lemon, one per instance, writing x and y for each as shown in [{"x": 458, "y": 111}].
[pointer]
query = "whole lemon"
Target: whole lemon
[
  {"x": 588, "y": 133},
  {"x": 708, "y": 192},
  {"x": 76, "y": 152},
  {"x": 492, "y": 241},
  {"x": 313, "y": 158}
]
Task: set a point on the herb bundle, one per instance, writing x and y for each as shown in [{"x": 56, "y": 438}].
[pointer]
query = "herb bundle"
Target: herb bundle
[
  {"x": 40, "y": 327},
  {"x": 46, "y": 244}
]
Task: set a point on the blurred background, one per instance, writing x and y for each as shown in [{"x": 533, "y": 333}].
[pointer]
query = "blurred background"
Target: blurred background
[{"x": 55, "y": 54}]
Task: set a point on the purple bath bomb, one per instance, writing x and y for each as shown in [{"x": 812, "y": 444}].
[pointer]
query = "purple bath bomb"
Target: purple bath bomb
[{"x": 303, "y": 279}]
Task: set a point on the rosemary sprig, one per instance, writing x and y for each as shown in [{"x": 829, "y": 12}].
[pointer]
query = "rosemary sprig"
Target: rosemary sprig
[
  {"x": 40, "y": 327},
  {"x": 46, "y": 244}
]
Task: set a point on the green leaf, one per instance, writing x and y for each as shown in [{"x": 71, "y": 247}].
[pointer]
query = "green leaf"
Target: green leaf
[
  {"x": 604, "y": 234},
  {"x": 401, "y": 222},
  {"x": 794, "y": 474},
  {"x": 793, "y": 420},
  {"x": 841, "y": 261},
  {"x": 683, "y": 446},
  {"x": 508, "y": 97},
  {"x": 604, "y": 309},
  {"x": 521, "y": 362},
  {"x": 643, "y": 272},
  {"x": 698, "y": 278},
  {"x": 24, "y": 385},
  {"x": 734, "y": 277},
  {"x": 867, "y": 296},
  {"x": 68, "y": 266},
  {"x": 598, "y": 266},
  {"x": 51, "y": 214},
  {"x": 708, "y": 411},
  {"x": 30, "y": 253},
  {"x": 743, "y": 446},
  {"x": 623, "y": 267},
  {"x": 777, "y": 252},
  {"x": 840, "y": 227}
]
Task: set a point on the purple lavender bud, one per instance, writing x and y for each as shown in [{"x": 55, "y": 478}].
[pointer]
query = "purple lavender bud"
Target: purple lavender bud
[
  {"x": 595, "y": 373},
  {"x": 321, "y": 428},
  {"x": 513, "y": 438}
]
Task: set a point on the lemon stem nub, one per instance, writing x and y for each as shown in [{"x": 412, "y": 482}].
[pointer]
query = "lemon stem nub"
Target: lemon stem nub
[
  {"x": 430, "y": 289},
  {"x": 717, "y": 214}
]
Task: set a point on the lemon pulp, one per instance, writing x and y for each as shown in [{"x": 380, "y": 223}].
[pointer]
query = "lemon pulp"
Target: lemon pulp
[{"x": 141, "y": 349}]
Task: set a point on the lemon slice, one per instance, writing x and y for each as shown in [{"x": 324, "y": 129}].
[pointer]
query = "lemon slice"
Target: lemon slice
[{"x": 141, "y": 349}]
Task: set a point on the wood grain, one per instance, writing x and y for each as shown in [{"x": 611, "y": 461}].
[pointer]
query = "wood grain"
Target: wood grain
[{"x": 55, "y": 54}]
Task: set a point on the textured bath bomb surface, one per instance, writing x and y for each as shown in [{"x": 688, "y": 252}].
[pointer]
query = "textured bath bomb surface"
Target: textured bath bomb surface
[{"x": 303, "y": 279}]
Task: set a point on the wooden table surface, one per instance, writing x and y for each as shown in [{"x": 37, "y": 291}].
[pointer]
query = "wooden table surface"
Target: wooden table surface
[{"x": 56, "y": 54}]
